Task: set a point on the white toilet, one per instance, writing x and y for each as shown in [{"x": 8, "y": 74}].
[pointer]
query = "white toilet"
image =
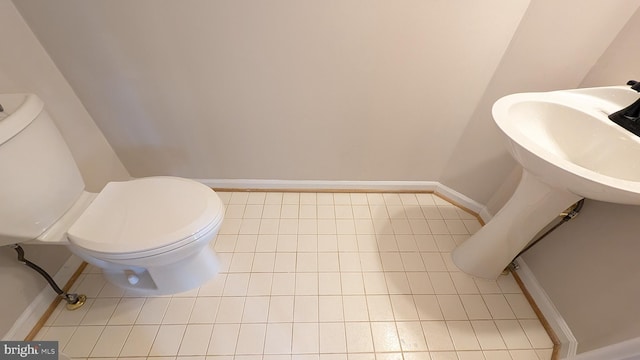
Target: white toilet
[{"x": 150, "y": 235}]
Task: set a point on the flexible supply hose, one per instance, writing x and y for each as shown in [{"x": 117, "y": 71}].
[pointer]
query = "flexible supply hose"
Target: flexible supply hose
[
  {"x": 570, "y": 215},
  {"x": 69, "y": 298}
]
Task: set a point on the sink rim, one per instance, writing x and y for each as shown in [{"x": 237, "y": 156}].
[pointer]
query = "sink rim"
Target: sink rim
[{"x": 584, "y": 102}]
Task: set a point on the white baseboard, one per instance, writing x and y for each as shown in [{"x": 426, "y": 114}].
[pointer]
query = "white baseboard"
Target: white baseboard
[
  {"x": 626, "y": 350},
  {"x": 32, "y": 314},
  {"x": 319, "y": 184},
  {"x": 460, "y": 199},
  {"x": 485, "y": 215},
  {"x": 432, "y": 186},
  {"x": 568, "y": 342}
]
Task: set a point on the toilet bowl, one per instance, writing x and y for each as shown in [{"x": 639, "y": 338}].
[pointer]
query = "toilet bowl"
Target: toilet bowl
[{"x": 149, "y": 235}]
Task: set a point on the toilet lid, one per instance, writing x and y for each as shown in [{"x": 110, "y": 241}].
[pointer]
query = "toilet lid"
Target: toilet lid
[{"x": 147, "y": 214}]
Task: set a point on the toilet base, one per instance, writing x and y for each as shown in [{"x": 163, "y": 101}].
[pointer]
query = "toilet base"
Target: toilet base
[{"x": 187, "y": 274}]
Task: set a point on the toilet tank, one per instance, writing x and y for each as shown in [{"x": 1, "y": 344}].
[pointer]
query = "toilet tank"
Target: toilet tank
[{"x": 39, "y": 179}]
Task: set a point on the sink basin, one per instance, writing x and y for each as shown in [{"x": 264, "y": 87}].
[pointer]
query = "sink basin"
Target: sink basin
[
  {"x": 569, "y": 150},
  {"x": 568, "y": 142}
]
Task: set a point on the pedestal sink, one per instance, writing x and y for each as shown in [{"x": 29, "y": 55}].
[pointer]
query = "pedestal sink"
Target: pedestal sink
[{"x": 569, "y": 150}]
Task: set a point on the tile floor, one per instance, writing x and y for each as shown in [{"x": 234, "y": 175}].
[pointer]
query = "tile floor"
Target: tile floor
[{"x": 317, "y": 276}]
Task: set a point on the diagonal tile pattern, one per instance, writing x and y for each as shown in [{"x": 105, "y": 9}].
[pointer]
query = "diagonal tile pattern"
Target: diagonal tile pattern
[{"x": 317, "y": 276}]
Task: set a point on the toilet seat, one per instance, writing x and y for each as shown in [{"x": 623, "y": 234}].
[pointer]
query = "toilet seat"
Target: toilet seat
[{"x": 146, "y": 217}]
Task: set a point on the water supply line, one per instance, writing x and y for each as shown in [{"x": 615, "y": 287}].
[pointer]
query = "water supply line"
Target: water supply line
[
  {"x": 74, "y": 301},
  {"x": 569, "y": 214}
]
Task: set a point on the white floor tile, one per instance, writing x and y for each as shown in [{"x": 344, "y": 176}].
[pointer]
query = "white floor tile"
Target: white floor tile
[
  {"x": 498, "y": 355},
  {"x": 352, "y": 283},
  {"x": 317, "y": 276},
  {"x": 307, "y": 262},
  {"x": 403, "y": 307},
  {"x": 278, "y": 338},
  {"x": 498, "y": 306},
  {"x": 355, "y": 308},
  {"x": 411, "y": 336},
  {"x": 359, "y": 338},
  {"x": 139, "y": 341},
  {"x": 397, "y": 283},
  {"x": 417, "y": 356},
  {"x": 374, "y": 283},
  {"x": 305, "y": 338},
  {"x": 204, "y": 310},
  {"x": 379, "y": 308},
  {"x": 281, "y": 309},
  {"x": 306, "y": 284},
  {"x": 62, "y": 334},
  {"x": 69, "y": 318},
  {"x": 451, "y": 307},
  {"x": 462, "y": 335},
  {"x": 349, "y": 262},
  {"x": 442, "y": 283},
  {"x": 111, "y": 341},
  {"x": 251, "y": 339},
  {"x": 520, "y": 306},
  {"x": 332, "y": 338},
  {"x": 308, "y": 242},
  {"x": 195, "y": 340},
  {"x": 100, "y": 311},
  {"x": 230, "y": 310},
  {"x": 406, "y": 243},
  {"x": 283, "y": 284},
  {"x": 330, "y": 309},
  {"x": 236, "y": 284},
  {"x": 127, "y": 311},
  {"x": 179, "y": 311},
  {"x": 437, "y": 335},
  {"x": 475, "y": 307},
  {"x": 305, "y": 309},
  {"x": 285, "y": 262},
  {"x": 213, "y": 287},
  {"x": 267, "y": 241},
  {"x": 536, "y": 334},
  {"x": 488, "y": 335},
  {"x": 385, "y": 337},
  {"x": 419, "y": 283},
  {"x": 256, "y": 309},
  {"x": 328, "y": 262},
  {"x": 513, "y": 334},
  {"x": 370, "y": 261},
  {"x": 82, "y": 341},
  {"x": 167, "y": 341},
  {"x": 428, "y": 307},
  {"x": 259, "y": 284},
  {"x": 329, "y": 283},
  {"x": 523, "y": 355},
  {"x": 153, "y": 310},
  {"x": 464, "y": 283},
  {"x": 223, "y": 339}
]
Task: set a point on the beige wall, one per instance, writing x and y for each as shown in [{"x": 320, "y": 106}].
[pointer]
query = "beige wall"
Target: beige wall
[
  {"x": 285, "y": 89},
  {"x": 553, "y": 48},
  {"x": 342, "y": 90},
  {"x": 590, "y": 267},
  {"x": 26, "y": 67}
]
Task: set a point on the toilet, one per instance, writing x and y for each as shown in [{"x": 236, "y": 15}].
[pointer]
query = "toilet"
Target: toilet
[{"x": 151, "y": 235}]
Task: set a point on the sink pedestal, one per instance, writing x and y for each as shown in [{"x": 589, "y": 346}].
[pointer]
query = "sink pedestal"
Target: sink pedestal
[{"x": 533, "y": 206}]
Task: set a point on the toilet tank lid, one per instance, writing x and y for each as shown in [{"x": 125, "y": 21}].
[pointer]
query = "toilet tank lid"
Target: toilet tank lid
[{"x": 146, "y": 214}]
